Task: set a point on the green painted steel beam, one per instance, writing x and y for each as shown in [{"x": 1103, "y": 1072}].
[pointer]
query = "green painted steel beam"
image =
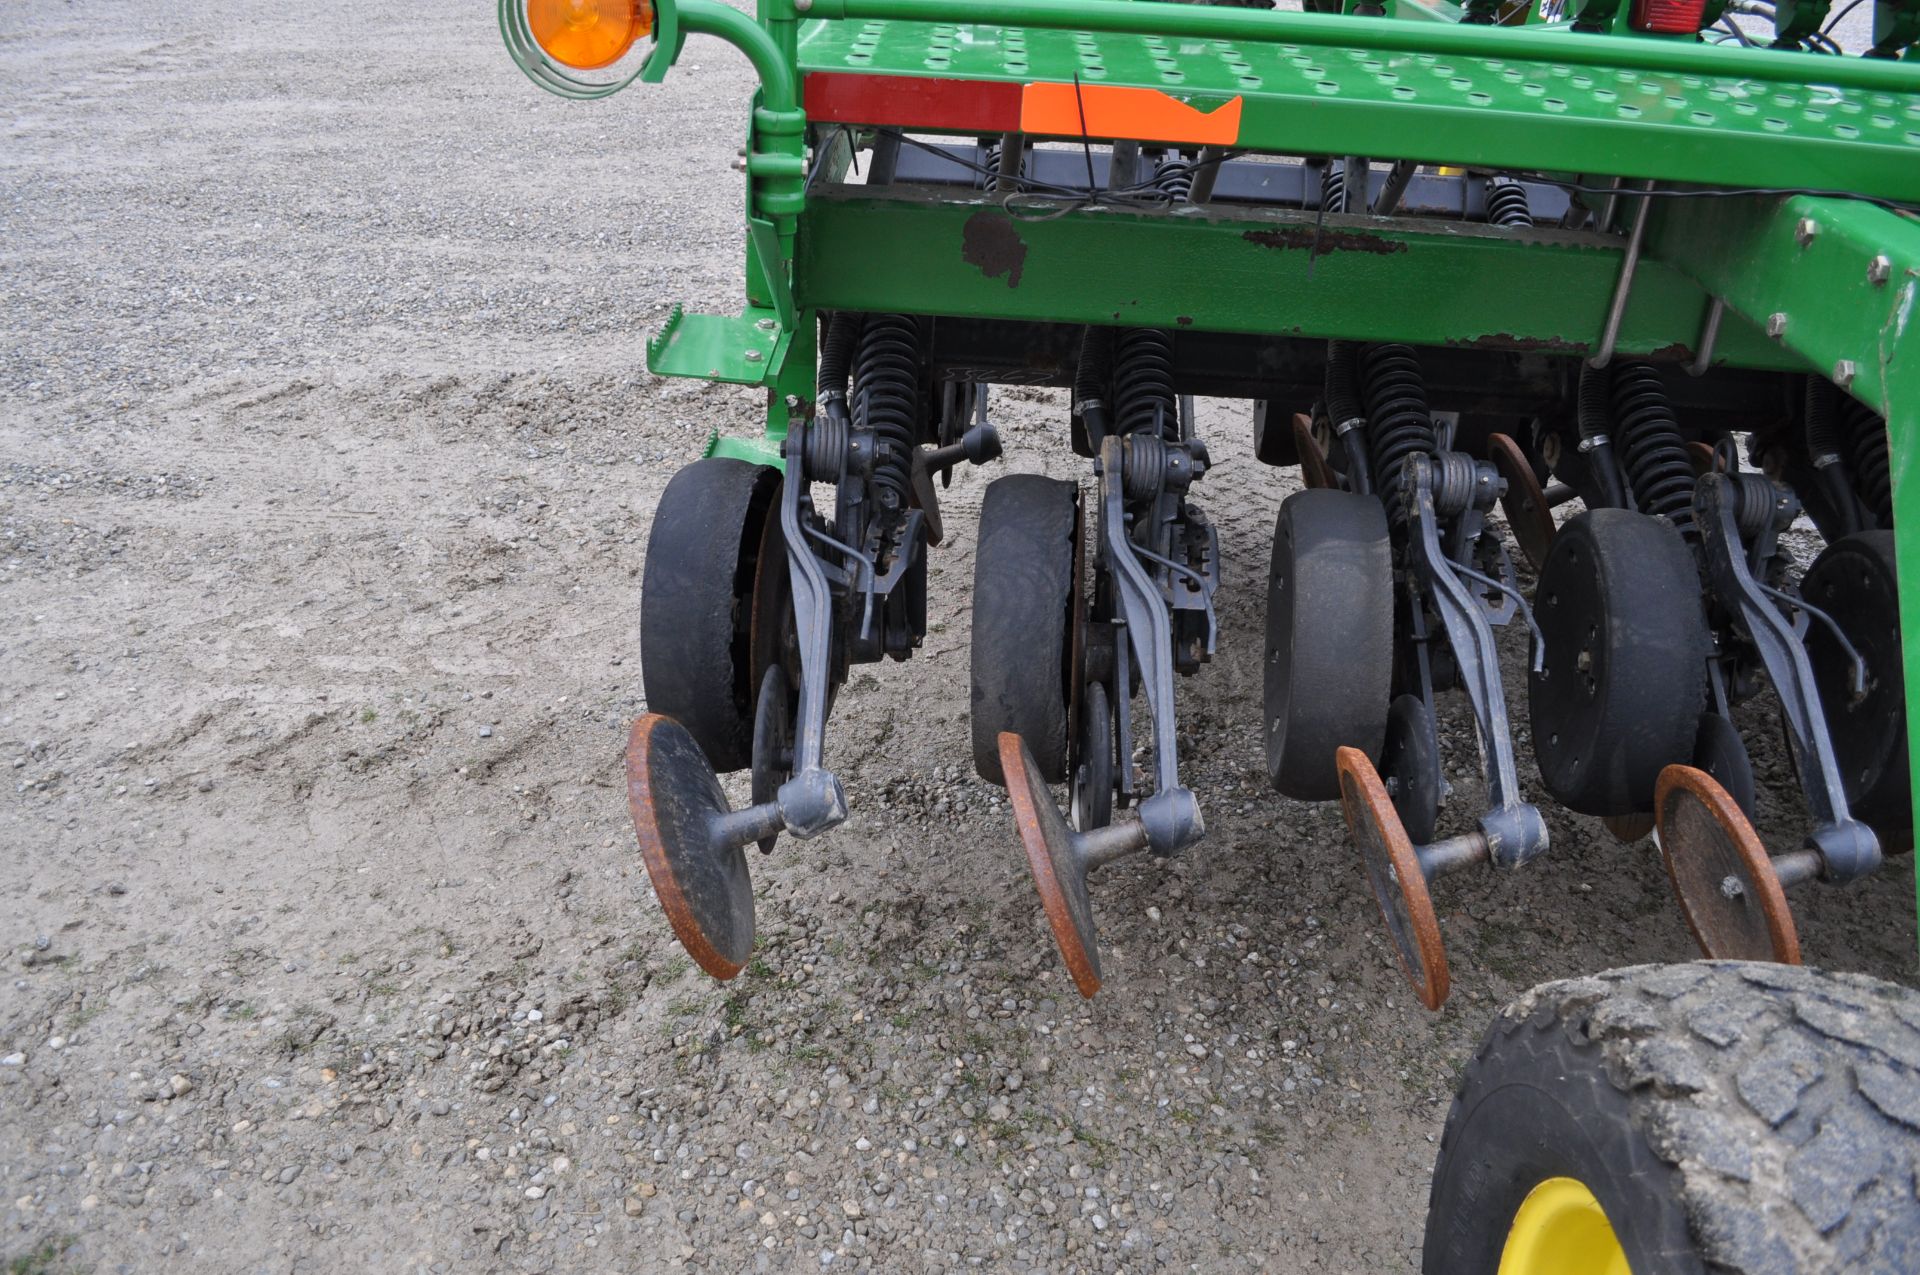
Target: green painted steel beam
[
  {"x": 1524, "y": 109},
  {"x": 1836, "y": 278},
  {"x": 1246, "y": 270},
  {"x": 1840, "y": 282},
  {"x": 1561, "y": 45}
]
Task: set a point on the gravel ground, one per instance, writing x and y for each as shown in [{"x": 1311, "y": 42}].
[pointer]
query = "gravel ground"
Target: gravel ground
[{"x": 328, "y": 456}]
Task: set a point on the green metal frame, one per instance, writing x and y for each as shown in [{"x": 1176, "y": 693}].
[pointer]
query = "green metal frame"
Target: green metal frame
[{"x": 1829, "y": 284}]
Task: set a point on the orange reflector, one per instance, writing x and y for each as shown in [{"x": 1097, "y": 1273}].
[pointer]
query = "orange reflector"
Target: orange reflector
[
  {"x": 588, "y": 34},
  {"x": 1111, "y": 110}
]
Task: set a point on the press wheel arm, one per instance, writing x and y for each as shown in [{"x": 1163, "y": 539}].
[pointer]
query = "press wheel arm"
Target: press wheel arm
[
  {"x": 1172, "y": 814},
  {"x": 1513, "y": 830},
  {"x": 1848, "y": 849}
]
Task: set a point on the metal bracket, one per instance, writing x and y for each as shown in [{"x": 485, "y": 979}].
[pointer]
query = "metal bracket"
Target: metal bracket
[
  {"x": 1848, "y": 849},
  {"x": 1514, "y": 830},
  {"x": 748, "y": 349},
  {"x": 1172, "y": 814}
]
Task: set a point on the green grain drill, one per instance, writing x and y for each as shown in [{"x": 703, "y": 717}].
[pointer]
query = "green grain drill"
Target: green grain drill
[{"x": 1588, "y": 317}]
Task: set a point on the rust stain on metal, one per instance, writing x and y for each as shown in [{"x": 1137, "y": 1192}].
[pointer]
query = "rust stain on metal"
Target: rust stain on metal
[
  {"x": 1523, "y": 344},
  {"x": 1678, "y": 352},
  {"x": 1183, "y": 320},
  {"x": 1323, "y": 241},
  {"x": 992, "y": 243}
]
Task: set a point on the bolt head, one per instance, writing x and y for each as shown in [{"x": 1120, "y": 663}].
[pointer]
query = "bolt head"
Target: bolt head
[
  {"x": 765, "y": 325},
  {"x": 1843, "y": 373},
  {"x": 1879, "y": 270},
  {"x": 801, "y": 6},
  {"x": 1777, "y": 324},
  {"x": 753, "y": 356},
  {"x": 1804, "y": 232}
]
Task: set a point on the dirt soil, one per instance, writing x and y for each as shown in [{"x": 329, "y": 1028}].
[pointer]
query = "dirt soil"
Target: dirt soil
[{"x": 328, "y": 460}]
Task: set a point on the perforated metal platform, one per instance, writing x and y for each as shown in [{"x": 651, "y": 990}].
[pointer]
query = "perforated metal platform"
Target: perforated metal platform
[{"x": 1299, "y": 98}]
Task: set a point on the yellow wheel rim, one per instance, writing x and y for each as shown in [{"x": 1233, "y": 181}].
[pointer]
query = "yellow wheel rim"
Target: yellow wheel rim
[{"x": 1562, "y": 1230}]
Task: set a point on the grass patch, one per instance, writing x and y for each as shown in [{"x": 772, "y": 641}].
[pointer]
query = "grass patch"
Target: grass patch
[{"x": 42, "y": 1260}]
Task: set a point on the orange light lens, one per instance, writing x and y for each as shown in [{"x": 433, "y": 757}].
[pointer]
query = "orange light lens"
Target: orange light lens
[{"x": 588, "y": 34}]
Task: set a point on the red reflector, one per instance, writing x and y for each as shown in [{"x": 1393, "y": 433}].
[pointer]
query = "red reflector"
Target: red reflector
[
  {"x": 1668, "y": 17},
  {"x": 908, "y": 101}
]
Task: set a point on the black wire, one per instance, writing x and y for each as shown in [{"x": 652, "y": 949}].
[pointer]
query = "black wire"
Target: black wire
[
  {"x": 1828, "y": 29},
  {"x": 1729, "y": 192}
]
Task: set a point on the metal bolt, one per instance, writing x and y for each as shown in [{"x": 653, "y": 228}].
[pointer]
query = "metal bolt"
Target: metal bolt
[
  {"x": 753, "y": 356},
  {"x": 765, "y": 325},
  {"x": 1843, "y": 373},
  {"x": 1777, "y": 324},
  {"x": 801, "y": 6},
  {"x": 793, "y": 402},
  {"x": 1879, "y": 270},
  {"x": 1804, "y": 232},
  {"x": 1731, "y": 888}
]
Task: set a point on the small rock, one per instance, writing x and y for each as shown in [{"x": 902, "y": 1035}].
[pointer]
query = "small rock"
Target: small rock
[
  {"x": 536, "y": 1192},
  {"x": 486, "y": 732},
  {"x": 288, "y": 1174},
  {"x": 635, "y": 1206},
  {"x": 56, "y": 1042},
  {"x": 179, "y": 1085},
  {"x": 15, "y": 1059}
]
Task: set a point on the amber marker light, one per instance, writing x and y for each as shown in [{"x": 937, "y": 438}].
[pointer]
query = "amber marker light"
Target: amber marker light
[{"x": 588, "y": 34}]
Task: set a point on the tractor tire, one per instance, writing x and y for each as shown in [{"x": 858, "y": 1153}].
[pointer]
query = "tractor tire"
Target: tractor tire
[
  {"x": 698, "y": 662},
  {"x": 1024, "y": 595},
  {"x": 1728, "y": 1117}
]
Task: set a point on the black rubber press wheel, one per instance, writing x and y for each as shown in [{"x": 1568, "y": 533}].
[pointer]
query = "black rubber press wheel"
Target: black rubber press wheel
[
  {"x": 1024, "y": 595},
  {"x": 1854, "y": 581},
  {"x": 1682, "y": 1119},
  {"x": 1329, "y": 653},
  {"x": 697, "y": 645},
  {"x": 1619, "y": 693}
]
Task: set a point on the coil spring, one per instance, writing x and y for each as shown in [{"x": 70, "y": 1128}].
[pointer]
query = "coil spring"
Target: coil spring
[
  {"x": 1755, "y": 501},
  {"x": 836, "y": 352},
  {"x": 886, "y": 400},
  {"x": 1146, "y": 466},
  {"x": 1650, "y": 447},
  {"x": 1093, "y": 371},
  {"x": 1173, "y": 177},
  {"x": 1866, "y": 440},
  {"x": 1143, "y": 398},
  {"x": 1333, "y": 186},
  {"x": 1343, "y": 403},
  {"x": 1507, "y": 203},
  {"x": 1398, "y": 423},
  {"x": 826, "y": 448}
]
